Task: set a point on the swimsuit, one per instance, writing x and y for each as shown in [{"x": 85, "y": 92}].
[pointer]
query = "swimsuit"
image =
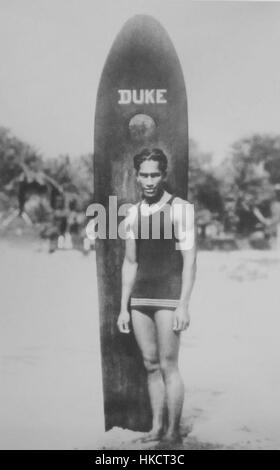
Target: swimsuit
[{"x": 159, "y": 274}]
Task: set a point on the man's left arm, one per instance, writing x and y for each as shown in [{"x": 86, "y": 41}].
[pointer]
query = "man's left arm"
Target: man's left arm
[{"x": 185, "y": 223}]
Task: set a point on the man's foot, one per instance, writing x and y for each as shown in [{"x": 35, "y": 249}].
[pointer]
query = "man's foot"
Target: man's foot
[
  {"x": 152, "y": 436},
  {"x": 171, "y": 438}
]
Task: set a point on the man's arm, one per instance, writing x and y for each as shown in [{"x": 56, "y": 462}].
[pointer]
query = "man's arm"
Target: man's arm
[
  {"x": 188, "y": 275},
  {"x": 187, "y": 246},
  {"x": 129, "y": 269}
]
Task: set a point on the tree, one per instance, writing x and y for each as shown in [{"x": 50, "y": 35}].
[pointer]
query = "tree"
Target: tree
[
  {"x": 248, "y": 177},
  {"x": 204, "y": 186},
  {"x": 75, "y": 175},
  {"x": 254, "y": 166},
  {"x": 14, "y": 155}
]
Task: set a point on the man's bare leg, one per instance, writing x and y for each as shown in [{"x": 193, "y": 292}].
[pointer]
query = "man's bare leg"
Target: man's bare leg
[
  {"x": 146, "y": 337},
  {"x": 168, "y": 343}
]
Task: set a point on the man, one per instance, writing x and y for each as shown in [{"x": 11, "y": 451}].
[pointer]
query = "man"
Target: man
[{"x": 157, "y": 279}]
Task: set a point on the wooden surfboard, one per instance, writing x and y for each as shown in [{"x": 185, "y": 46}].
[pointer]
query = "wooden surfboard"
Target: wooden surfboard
[{"x": 141, "y": 103}]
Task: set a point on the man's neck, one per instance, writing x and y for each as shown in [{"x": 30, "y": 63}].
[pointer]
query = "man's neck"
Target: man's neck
[{"x": 154, "y": 200}]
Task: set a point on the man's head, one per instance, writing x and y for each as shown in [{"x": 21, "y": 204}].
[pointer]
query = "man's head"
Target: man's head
[{"x": 151, "y": 166}]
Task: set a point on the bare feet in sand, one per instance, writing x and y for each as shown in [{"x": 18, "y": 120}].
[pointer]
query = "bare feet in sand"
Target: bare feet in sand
[
  {"x": 169, "y": 439},
  {"x": 153, "y": 435}
]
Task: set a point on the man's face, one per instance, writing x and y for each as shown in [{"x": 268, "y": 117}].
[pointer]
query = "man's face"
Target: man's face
[{"x": 151, "y": 179}]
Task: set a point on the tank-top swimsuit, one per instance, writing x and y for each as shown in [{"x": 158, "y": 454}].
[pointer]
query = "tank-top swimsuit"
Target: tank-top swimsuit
[{"x": 160, "y": 263}]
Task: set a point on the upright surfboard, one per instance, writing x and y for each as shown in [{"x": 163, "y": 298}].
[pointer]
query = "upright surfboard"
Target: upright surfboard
[{"x": 141, "y": 103}]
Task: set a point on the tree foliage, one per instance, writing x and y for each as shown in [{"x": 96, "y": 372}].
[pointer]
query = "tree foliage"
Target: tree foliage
[
  {"x": 246, "y": 179},
  {"x": 204, "y": 187},
  {"x": 74, "y": 175},
  {"x": 13, "y": 153}
]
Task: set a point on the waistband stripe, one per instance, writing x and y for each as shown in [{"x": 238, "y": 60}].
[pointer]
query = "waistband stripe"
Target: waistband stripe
[{"x": 164, "y": 302}]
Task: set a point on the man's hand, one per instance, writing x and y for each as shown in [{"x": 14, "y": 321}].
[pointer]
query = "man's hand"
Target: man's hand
[
  {"x": 181, "y": 318},
  {"x": 123, "y": 322}
]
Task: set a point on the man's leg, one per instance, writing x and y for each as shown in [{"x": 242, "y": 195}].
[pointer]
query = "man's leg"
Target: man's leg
[
  {"x": 168, "y": 343},
  {"x": 145, "y": 333}
]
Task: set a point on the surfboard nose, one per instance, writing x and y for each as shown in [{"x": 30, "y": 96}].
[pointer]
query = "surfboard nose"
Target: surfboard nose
[
  {"x": 143, "y": 20},
  {"x": 146, "y": 33}
]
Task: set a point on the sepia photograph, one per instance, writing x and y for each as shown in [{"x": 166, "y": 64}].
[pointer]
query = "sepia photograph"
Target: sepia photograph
[{"x": 139, "y": 226}]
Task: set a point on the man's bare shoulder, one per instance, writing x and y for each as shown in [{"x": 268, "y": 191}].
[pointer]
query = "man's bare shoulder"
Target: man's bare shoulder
[
  {"x": 182, "y": 206},
  {"x": 184, "y": 202},
  {"x": 131, "y": 216},
  {"x": 130, "y": 221},
  {"x": 183, "y": 219},
  {"x": 183, "y": 213},
  {"x": 132, "y": 211}
]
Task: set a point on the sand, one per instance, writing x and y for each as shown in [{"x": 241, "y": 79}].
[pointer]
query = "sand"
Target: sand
[{"x": 50, "y": 395}]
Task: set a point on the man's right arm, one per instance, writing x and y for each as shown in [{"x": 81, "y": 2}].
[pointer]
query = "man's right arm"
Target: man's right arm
[{"x": 129, "y": 270}]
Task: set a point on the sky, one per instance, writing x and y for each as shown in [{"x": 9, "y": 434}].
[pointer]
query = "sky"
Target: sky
[{"x": 53, "y": 51}]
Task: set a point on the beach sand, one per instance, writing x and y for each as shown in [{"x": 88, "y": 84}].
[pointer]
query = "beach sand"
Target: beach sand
[{"x": 50, "y": 395}]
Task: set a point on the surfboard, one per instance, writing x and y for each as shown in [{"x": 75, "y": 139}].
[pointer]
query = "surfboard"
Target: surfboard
[{"x": 141, "y": 102}]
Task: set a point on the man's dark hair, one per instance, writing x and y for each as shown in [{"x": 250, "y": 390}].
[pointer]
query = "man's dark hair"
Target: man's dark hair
[{"x": 156, "y": 155}]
